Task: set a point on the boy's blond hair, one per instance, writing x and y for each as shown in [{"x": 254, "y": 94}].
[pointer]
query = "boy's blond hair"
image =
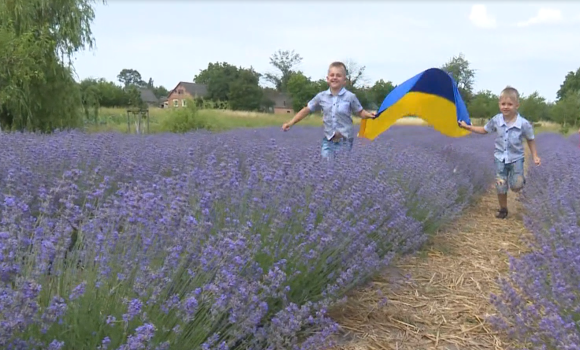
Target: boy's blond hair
[
  {"x": 510, "y": 92},
  {"x": 338, "y": 64}
]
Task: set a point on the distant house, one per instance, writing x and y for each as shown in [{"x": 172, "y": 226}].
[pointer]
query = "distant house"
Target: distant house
[
  {"x": 282, "y": 102},
  {"x": 184, "y": 90},
  {"x": 149, "y": 98}
]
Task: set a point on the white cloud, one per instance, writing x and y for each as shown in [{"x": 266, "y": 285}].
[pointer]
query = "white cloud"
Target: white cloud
[
  {"x": 544, "y": 15},
  {"x": 480, "y": 18}
]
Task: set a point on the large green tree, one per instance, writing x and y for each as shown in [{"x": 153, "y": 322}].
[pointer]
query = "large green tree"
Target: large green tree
[
  {"x": 379, "y": 91},
  {"x": 566, "y": 111},
  {"x": 37, "y": 41},
  {"x": 356, "y": 80},
  {"x": 245, "y": 93},
  {"x": 96, "y": 93},
  {"x": 217, "y": 76},
  {"x": 158, "y": 91},
  {"x": 302, "y": 89},
  {"x": 459, "y": 68},
  {"x": 355, "y": 74},
  {"x": 483, "y": 105},
  {"x": 129, "y": 77},
  {"x": 107, "y": 93},
  {"x": 534, "y": 107},
  {"x": 132, "y": 77},
  {"x": 571, "y": 84},
  {"x": 239, "y": 86},
  {"x": 284, "y": 62}
]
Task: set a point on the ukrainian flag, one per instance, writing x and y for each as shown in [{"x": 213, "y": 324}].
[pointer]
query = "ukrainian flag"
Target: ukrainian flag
[{"x": 431, "y": 95}]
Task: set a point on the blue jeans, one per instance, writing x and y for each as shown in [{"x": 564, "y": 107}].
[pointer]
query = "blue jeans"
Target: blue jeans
[
  {"x": 331, "y": 148},
  {"x": 509, "y": 176}
]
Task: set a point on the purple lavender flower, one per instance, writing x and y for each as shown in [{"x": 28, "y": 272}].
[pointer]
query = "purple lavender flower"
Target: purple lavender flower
[
  {"x": 242, "y": 239},
  {"x": 539, "y": 303}
]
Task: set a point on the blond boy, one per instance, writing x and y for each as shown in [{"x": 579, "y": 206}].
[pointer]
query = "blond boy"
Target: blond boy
[
  {"x": 337, "y": 104},
  {"x": 511, "y": 129}
]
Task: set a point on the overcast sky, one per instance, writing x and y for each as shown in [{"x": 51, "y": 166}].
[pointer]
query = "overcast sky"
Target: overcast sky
[{"x": 529, "y": 45}]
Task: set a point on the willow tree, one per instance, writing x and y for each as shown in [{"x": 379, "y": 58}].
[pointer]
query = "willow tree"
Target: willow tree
[{"x": 38, "y": 39}]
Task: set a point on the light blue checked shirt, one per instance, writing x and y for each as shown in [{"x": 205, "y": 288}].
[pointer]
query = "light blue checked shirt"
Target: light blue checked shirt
[
  {"x": 337, "y": 111},
  {"x": 509, "y": 142}
]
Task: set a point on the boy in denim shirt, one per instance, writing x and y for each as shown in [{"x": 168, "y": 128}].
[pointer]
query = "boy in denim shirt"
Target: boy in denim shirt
[
  {"x": 511, "y": 129},
  {"x": 337, "y": 104}
]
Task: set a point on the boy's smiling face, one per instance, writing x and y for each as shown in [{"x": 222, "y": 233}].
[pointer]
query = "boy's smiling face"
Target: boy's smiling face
[
  {"x": 336, "y": 78},
  {"x": 508, "y": 106}
]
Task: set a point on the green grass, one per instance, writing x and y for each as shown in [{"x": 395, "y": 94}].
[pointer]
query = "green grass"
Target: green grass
[
  {"x": 163, "y": 120},
  {"x": 115, "y": 119}
]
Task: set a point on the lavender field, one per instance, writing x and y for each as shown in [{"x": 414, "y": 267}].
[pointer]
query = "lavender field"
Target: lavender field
[
  {"x": 244, "y": 239},
  {"x": 539, "y": 305}
]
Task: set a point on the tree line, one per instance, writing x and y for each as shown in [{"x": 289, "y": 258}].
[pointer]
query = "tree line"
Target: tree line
[
  {"x": 240, "y": 87},
  {"x": 97, "y": 93},
  {"x": 224, "y": 84},
  {"x": 109, "y": 94},
  {"x": 38, "y": 91}
]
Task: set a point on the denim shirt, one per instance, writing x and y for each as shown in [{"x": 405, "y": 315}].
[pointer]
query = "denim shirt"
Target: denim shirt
[
  {"x": 509, "y": 142},
  {"x": 336, "y": 111}
]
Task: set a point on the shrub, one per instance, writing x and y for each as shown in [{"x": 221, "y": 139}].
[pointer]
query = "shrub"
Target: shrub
[{"x": 185, "y": 119}]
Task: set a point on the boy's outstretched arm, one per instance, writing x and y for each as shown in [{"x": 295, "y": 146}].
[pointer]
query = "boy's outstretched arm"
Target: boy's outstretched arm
[
  {"x": 366, "y": 115},
  {"x": 473, "y": 128},
  {"x": 297, "y": 117},
  {"x": 358, "y": 109}
]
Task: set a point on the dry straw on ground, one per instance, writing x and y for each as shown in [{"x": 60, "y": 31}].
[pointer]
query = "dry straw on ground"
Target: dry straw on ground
[{"x": 440, "y": 298}]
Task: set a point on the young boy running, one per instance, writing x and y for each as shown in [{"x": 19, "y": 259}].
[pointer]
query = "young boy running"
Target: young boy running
[
  {"x": 337, "y": 104},
  {"x": 511, "y": 129}
]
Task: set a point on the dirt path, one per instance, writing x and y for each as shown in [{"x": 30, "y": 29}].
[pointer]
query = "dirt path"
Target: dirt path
[{"x": 439, "y": 299}]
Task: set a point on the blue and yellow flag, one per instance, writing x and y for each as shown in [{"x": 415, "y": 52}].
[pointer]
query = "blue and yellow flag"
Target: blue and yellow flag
[{"x": 431, "y": 95}]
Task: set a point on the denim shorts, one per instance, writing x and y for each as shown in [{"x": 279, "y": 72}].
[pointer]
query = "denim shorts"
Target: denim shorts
[
  {"x": 330, "y": 148},
  {"x": 509, "y": 176}
]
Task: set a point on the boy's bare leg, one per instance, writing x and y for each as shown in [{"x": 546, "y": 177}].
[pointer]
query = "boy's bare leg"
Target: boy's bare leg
[
  {"x": 502, "y": 198},
  {"x": 502, "y": 188}
]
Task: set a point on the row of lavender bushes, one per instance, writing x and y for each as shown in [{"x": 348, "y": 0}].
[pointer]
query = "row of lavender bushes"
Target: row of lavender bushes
[
  {"x": 240, "y": 240},
  {"x": 539, "y": 303}
]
